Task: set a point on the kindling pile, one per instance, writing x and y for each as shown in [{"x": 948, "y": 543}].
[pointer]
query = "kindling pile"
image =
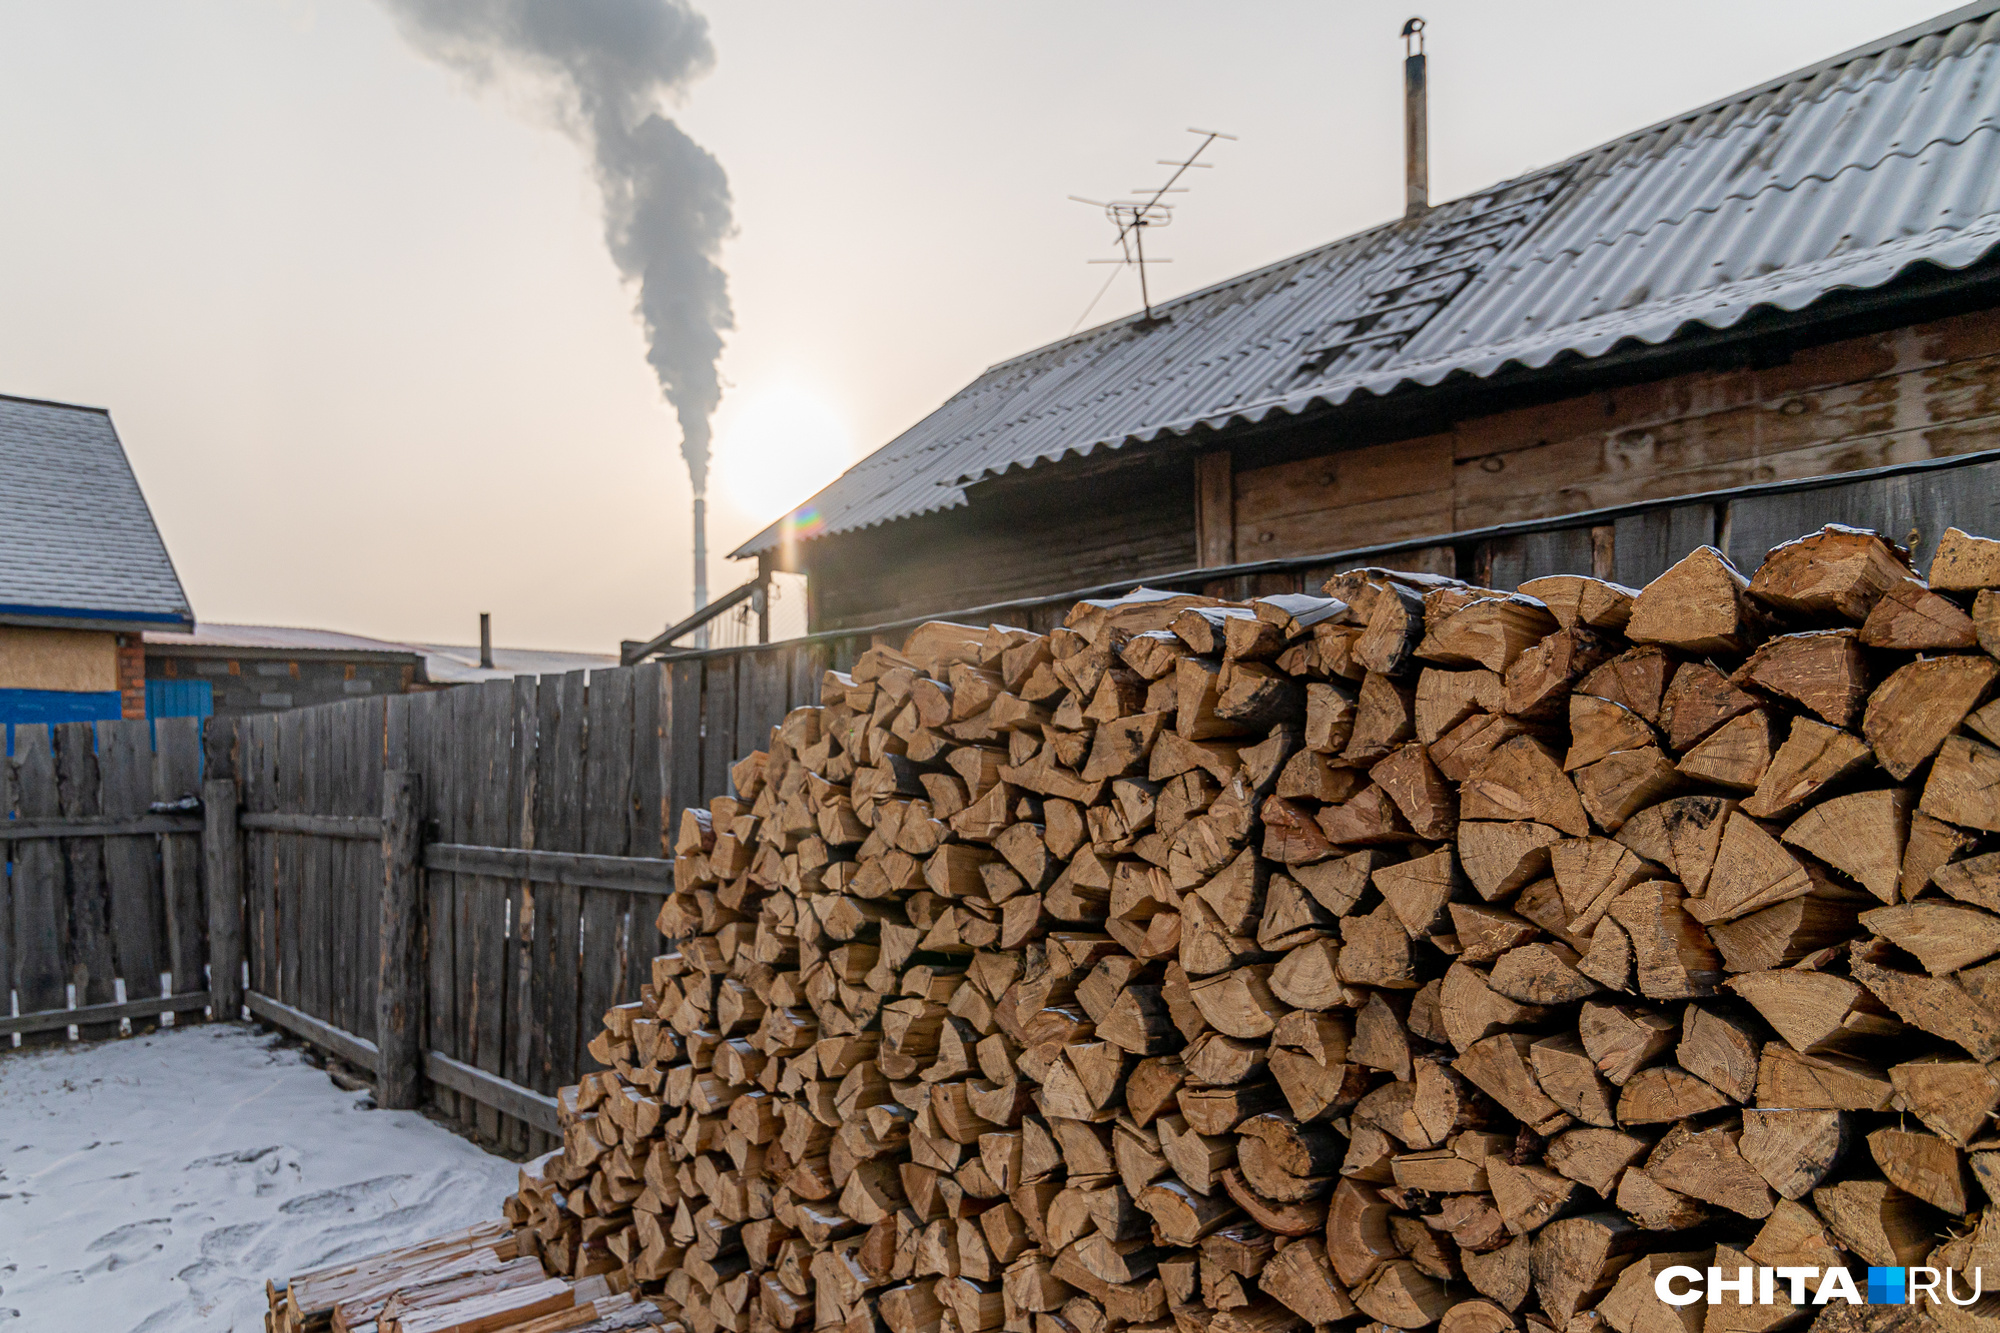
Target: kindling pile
[{"x": 1413, "y": 954}]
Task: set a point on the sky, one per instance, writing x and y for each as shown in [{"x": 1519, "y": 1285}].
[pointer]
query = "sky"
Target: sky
[{"x": 356, "y": 324}]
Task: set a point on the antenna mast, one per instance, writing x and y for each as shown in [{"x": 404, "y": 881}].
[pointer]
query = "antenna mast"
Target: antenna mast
[{"x": 1132, "y": 216}]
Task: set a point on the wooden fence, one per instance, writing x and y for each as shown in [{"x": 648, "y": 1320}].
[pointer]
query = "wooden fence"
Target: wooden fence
[
  {"x": 101, "y": 908},
  {"x": 547, "y": 809},
  {"x": 544, "y": 810}
]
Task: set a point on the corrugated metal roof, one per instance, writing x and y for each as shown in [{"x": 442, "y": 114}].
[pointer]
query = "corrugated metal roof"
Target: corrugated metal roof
[
  {"x": 452, "y": 664},
  {"x": 1840, "y": 176},
  {"x": 77, "y": 542},
  {"x": 276, "y": 638}
]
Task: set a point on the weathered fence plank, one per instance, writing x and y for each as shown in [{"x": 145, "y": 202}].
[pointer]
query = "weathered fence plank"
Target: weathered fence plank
[
  {"x": 607, "y": 824},
  {"x": 8, "y": 979},
  {"x": 41, "y": 916},
  {"x": 93, "y": 964},
  {"x": 559, "y": 827},
  {"x": 486, "y": 902},
  {"x": 176, "y": 776},
  {"x": 462, "y": 759},
  {"x": 287, "y": 858},
  {"x": 520, "y": 832},
  {"x": 430, "y": 742},
  {"x": 684, "y": 743},
  {"x": 223, "y": 854},
  {"x": 398, "y": 1020},
  {"x": 131, "y": 864},
  {"x": 257, "y": 907},
  {"x": 718, "y": 726}
]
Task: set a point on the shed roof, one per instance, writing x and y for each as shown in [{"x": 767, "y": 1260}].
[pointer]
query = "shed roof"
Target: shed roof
[
  {"x": 443, "y": 663},
  {"x": 1839, "y": 176},
  {"x": 78, "y": 545},
  {"x": 213, "y": 638}
]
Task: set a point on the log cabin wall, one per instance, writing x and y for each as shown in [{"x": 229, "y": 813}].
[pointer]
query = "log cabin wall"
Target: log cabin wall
[
  {"x": 1920, "y": 391},
  {"x": 1401, "y": 471}
]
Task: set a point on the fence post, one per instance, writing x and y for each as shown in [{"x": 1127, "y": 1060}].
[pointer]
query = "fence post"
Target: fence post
[
  {"x": 399, "y": 1002},
  {"x": 223, "y": 862}
]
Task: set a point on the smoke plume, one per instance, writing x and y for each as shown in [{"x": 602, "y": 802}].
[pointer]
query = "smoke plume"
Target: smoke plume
[{"x": 611, "y": 65}]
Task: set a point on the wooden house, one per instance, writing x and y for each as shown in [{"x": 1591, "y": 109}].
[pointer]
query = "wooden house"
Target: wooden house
[{"x": 1794, "y": 281}]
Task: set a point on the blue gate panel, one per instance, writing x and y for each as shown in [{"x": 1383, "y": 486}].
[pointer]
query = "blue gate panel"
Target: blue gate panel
[{"x": 180, "y": 698}]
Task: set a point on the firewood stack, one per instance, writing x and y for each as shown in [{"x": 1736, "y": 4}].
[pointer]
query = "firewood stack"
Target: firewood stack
[{"x": 1417, "y": 954}]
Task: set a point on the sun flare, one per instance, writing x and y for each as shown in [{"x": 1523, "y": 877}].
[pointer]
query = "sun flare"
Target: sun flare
[{"x": 775, "y": 446}]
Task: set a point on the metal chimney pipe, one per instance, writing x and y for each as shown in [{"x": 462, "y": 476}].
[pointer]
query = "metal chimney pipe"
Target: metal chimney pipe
[
  {"x": 486, "y": 640},
  {"x": 701, "y": 564},
  {"x": 1416, "y": 124}
]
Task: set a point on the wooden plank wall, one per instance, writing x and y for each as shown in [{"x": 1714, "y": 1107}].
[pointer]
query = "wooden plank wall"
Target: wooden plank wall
[
  {"x": 1919, "y": 392},
  {"x": 94, "y": 912},
  {"x": 1123, "y": 517},
  {"x": 1913, "y": 508}
]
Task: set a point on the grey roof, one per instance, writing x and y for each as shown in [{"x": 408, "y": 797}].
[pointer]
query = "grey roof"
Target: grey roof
[
  {"x": 452, "y": 664},
  {"x": 1840, "y": 176},
  {"x": 444, "y": 663},
  {"x": 275, "y": 639},
  {"x": 77, "y": 542}
]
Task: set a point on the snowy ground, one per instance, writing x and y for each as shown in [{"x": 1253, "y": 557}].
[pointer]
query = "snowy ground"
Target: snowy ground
[{"x": 155, "y": 1183}]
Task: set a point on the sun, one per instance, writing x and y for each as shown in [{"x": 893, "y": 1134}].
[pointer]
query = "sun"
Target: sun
[{"x": 777, "y": 444}]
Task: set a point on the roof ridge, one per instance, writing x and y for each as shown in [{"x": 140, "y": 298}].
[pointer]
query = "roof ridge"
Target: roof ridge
[
  {"x": 1916, "y": 32},
  {"x": 53, "y": 402}
]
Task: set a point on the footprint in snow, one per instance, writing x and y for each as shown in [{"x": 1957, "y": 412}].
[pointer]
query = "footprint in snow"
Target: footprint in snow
[
  {"x": 235, "y": 1158},
  {"x": 258, "y": 1171},
  {"x": 133, "y": 1236},
  {"x": 225, "y": 1243},
  {"x": 342, "y": 1198}
]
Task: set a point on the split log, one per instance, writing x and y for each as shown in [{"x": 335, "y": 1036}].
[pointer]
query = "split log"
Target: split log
[
  {"x": 1823, "y": 670},
  {"x": 1912, "y": 712},
  {"x": 1911, "y": 618},
  {"x": 1837, "y": 572},
  {"x": 1964, "y": 563}
]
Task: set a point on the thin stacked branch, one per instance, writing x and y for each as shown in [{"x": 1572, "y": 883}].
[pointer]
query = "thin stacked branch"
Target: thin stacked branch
[{"x": 1413, "y": 954}]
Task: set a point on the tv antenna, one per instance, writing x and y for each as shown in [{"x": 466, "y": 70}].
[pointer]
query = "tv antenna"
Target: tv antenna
[{"x": 1148, "y": 209}]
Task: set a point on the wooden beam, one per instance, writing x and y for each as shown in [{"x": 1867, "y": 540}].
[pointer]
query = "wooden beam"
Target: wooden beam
[
  {"x": 363, "y": 828},
  {"x": 631, "y": 653},
  {"x": 628, "y": 874},
  {"x": 523, "y": 1104},
  {"x": 222, "y": 856},
  {"x": 357, "y": 1051},
  {"x": 17, "y": 830},
  {"x": 50, "y": 1020},
  {"x": 1215, "y": 509},
  {"x": 399, "y": 994},
  {"x": 763, "y": 599},
  {"x": 537, "y": 1109}
]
